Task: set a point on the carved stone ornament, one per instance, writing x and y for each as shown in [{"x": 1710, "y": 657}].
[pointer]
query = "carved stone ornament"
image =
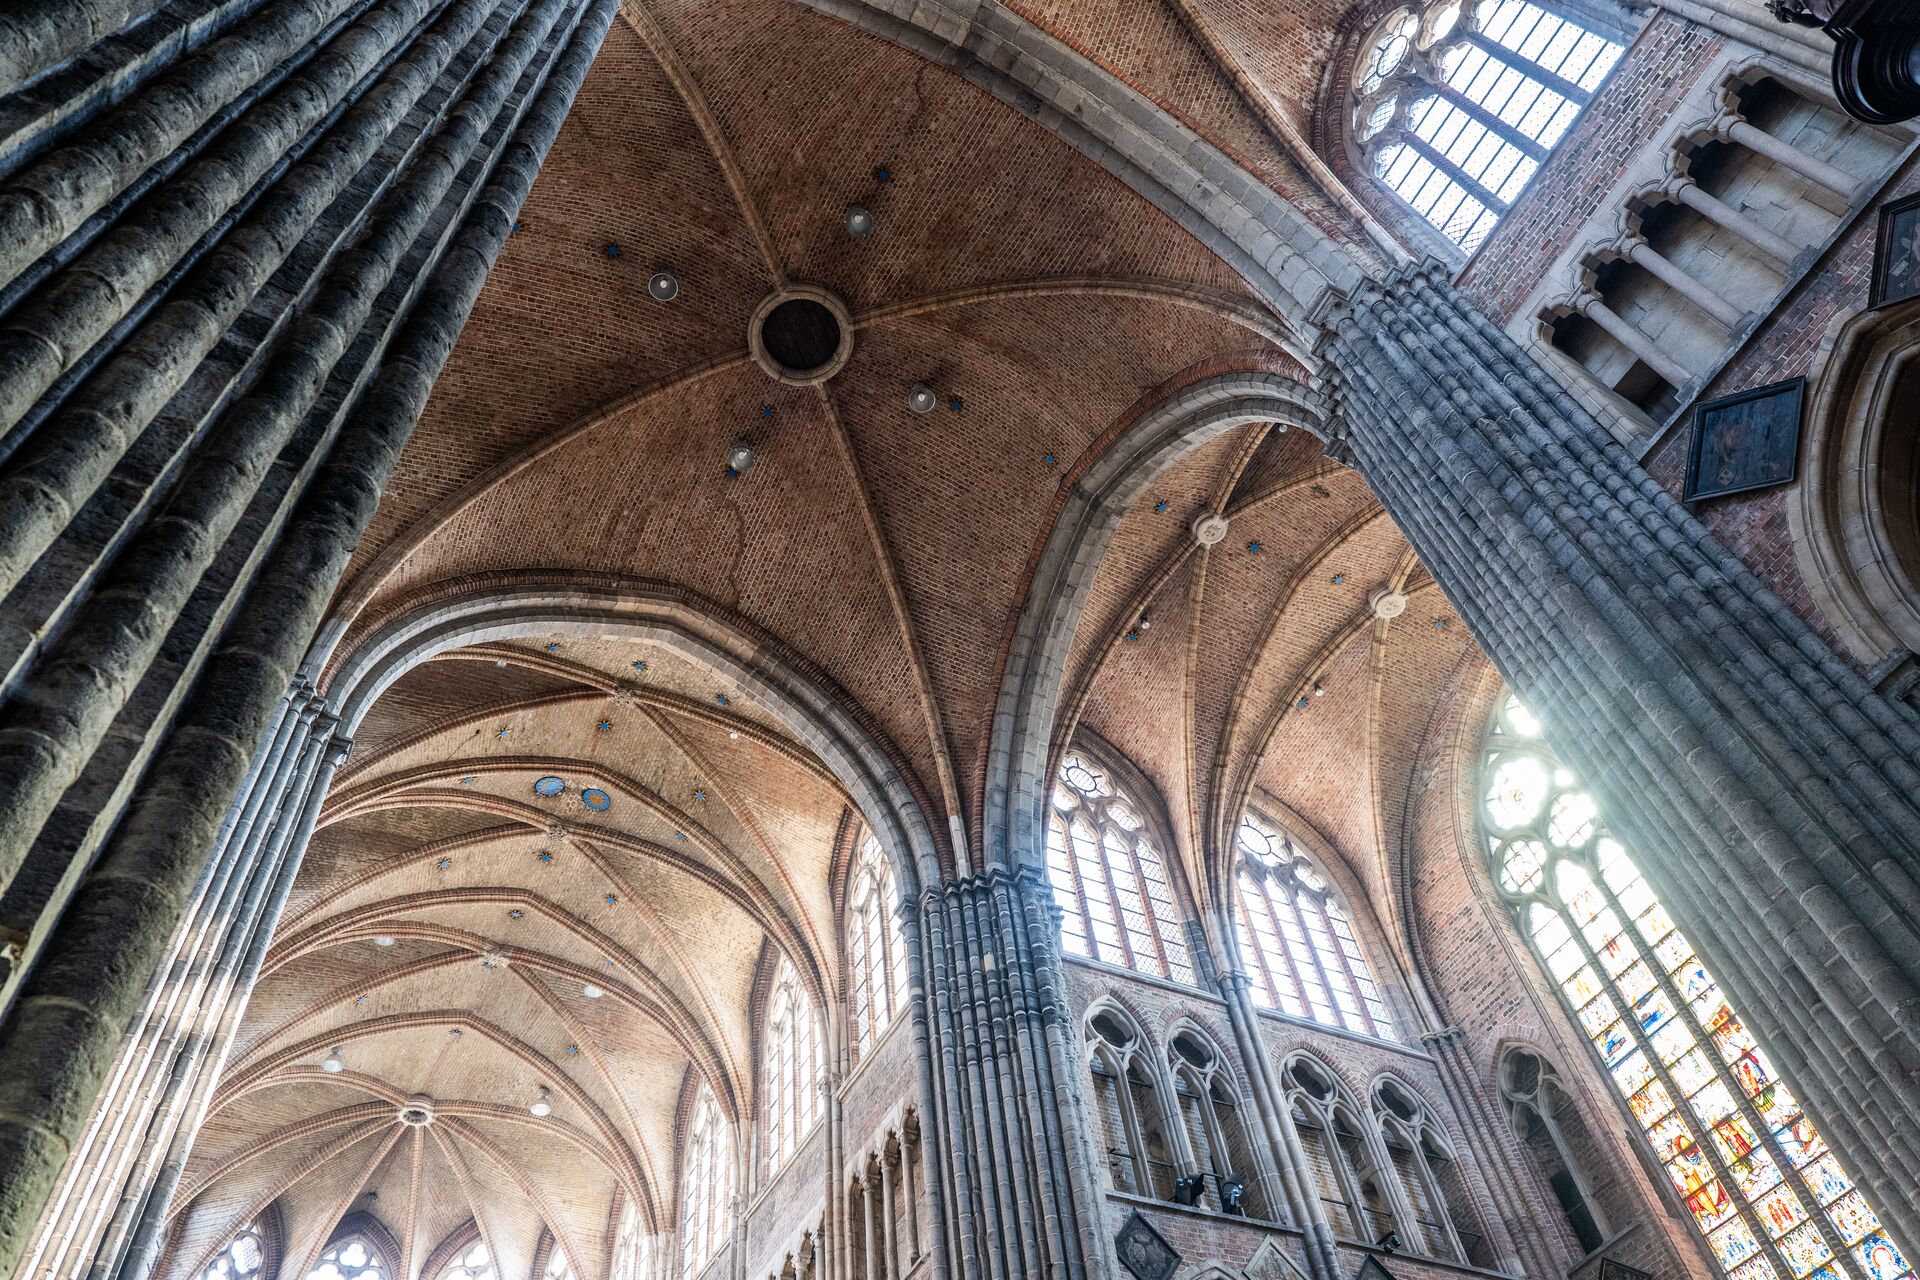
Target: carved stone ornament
[{"x": 1143, "y": 1251}]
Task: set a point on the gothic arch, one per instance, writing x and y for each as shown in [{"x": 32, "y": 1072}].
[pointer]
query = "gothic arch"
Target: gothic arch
[
  {"x": 1021, "y": 743},
  {"x": 1853, "y": 513}
]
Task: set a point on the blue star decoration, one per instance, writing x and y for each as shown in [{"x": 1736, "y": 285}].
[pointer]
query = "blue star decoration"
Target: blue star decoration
[
  {"x": 502, "y": 731},
  {"x": 680, "y": 835},
  {"x": 766, "y": 411},
  {"x": 613, "y": 250},
  {"x": 515, "y": 914},
  {"x": 358, "y": 1000},
  {"x": 445, "y": 863},
  {"x": 544, "y": 856},
  {"x": 1303, "y": 704},
  {"x": 466, "y": 780},
  {"x": 699, "y": 793},
  {"x": 639, "y": 666},
  {"x": 882, "y": 174},
  {"x": 722, "y": 699},
  {"x": 612, "y": 898},
  {"x": 1047, "y": 458},
  {"x": 1339, "y": 578},
  {"x": 1439, "y": 624},
  {"x": 1133, "y": 634},
  {"x": 1160, "y": 506},
  {"x": 956, "y": 404},
  {"x": 572, "y": 1049},
  {"x": 554, "y": 647},
  {"x": 516, "y": 229},
  {"x": 605, "y": 726},
  {"x": 1255, "y": 548}
]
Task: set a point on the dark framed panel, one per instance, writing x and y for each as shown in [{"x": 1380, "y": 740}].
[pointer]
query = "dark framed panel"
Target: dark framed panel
[
  {"x": 1896, "y": 253},
  {"x": 1748, "y": 440}
]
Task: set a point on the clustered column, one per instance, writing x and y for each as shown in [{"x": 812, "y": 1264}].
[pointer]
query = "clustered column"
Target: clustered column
[
  {"x": 1771, "y": 795},
  {"x": 1018, "y": 1183},
  {"x": 237, "y": 244}
]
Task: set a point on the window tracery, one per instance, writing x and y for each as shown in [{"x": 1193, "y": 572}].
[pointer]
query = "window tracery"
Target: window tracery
[
  {"x": 1334, "y": 1137},
  {"x": 243, "y": 1257},
  {"x": 633, "y": 1256},
  {"x": 475, "y": 1263},
  {"x": 1763, "y": 1188},
  {"x": 1110, "y": 878},
  {"x": 1548, "y": 1123},
  {"x": 791, "y": 1077},
  {"x": 1128, "y": 1102},
  {"x": 353, "y": 1258},
  {"x": 876, "y": 954},
  {"x": 1218, "y": 1134},
  {"x": 706, "y": 1204},
  {"x": 1422, "y": 1156},
  {"x": 1297, "y": 940},
  {"x": 1459, "y": 102}
]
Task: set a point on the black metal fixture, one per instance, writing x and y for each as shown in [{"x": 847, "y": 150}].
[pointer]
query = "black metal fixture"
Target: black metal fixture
[
  {"x": 1233, "y": 1191},
  {"x": 1187, "y": 1190},
  {"x": 1388, "y": 1243},
  {"x": 1876, "y": 53}
]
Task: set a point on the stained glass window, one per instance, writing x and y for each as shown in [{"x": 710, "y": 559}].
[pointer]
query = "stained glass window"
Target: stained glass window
[
  {"x": 558, "y": 1268},
  {"x": 1297, "y": 941},
  {"x": 876, "y": 955},
  {"x": 242, "y": 1257},
  {"x": 792, "y": 1070},
  {"x": 353, "y": 1258},
  {"x": 1459, "y": 102},
  {"x": 1109, "y": 877},
  {"x": 705, "y": 1199},
  {"x": 472, "y": 1263},
  {"x": 1757, "y": 1179}
]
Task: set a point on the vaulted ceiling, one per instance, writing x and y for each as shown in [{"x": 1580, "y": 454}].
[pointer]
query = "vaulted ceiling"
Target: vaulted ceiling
[{"x": 580, "y": 435}]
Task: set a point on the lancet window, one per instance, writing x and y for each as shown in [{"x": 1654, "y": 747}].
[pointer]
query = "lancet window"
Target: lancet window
[
  {"x": 876, "y": 954},
  {"x": 1297, "y": 941},
  {"x": 1459, "y": 102},
  {"x": 791, "y": 1076},
  {"x": 1757, "y": 1179},
  {"x": 1110, "y": 878},
  {"x": 705, "y": 1189}
]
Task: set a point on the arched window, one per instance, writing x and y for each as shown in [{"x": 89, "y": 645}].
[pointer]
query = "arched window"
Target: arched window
[
  {"x": 876, "y": 956},
  {"x": 791, "y": 1076},
  {"x": 1297, "y": 941},
  {"x": 1458, "y": 103},
  {"x": 1548, "y": 1123},
  {"x": 474, "y": 1263},
  {"x": 1109, "y": 878},
  {"x": 1217, "y": 1131},
  {"x": 558, "y": 1266},
  {"x": 705, "y": 1202},
  {"x": 243, "y": 1257},
  {"x": 1757, "y": 1179},
  {"x": 1127, "y": 1102},
  {"x": 632, "y": 1248},
  {"x": 353, "y": 1258},
  {"x": 1430, "y": 1178},
  {"x": 1340, "y": 1153}
]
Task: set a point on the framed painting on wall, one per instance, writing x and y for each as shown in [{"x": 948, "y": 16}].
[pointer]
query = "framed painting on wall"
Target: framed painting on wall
[
  {"x": 1896, "y": 254},
  {"x": 1748, "y": 440}
]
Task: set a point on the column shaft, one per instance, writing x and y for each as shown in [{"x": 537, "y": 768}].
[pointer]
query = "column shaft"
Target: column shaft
[
  {"x": 1716, "y": 210},
  {"x": 1688, "y": 286},
  {"x": 1628, "y": 335},
  {"x": 1782, "y": 152}
]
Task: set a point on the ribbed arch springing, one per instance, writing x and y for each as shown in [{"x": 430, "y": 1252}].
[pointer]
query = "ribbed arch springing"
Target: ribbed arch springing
[
  {"x": 790, "y": 1076},
  {"x": 706, "y": 1192},
  {"x": 876, "y": 954},
  {"x": 1771, "y": 1199},
  {"x": 1110, "y": 877},
  {"x": 1297, "y": 940},
  {"x": 1459, "y": 102}
]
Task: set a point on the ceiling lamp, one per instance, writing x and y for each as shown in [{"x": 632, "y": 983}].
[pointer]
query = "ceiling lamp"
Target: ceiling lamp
[
  {"x": 858, "y": 220},
  {"x": 541, "y": 1107},
  {"x": 332, "y": 1064},
  {"x": 920, "y": 398},
  {"x": 662, "y": 286},
  {"x": 384, "y": 940},
  {"x": 591, "y": 992},
  {"x": 739, "y": 460}
]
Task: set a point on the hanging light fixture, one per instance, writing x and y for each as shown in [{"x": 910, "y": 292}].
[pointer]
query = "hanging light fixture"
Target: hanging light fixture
[
  {"x": 740, "y": 460},
  {"x": 591, "y": 992},
  {"x": 331, "y": 1064},
  {"x": 858, "y": 220},
  {"x": 921, "y": 399},
  {"x": 663, "y": 286},
  {"x": 384, "y": 940},
  {"x": 541, "y": 1107}
]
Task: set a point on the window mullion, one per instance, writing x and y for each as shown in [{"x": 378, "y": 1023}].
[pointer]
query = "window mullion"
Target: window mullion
[
  {"x": 1467, "y": 181},
  {"x": 1530, "y": 69},
  {"x": 1146, "y": 904},
  {"x": 1100, "y": 824},
  {"x": 1789, "y": 1174},
  {"x": 1494, "y": 124},
  {"x": 1703, "y": 1142}
]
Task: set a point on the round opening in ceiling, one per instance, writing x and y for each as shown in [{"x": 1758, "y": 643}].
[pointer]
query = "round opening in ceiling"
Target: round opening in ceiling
[{"x": 800, "y": 335}]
